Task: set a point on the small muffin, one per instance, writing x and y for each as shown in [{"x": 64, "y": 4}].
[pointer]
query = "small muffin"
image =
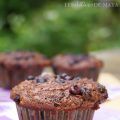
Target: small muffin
[
  {"x": 16, "y": 66},
  {"x": 77, "y": 65},
  {"x": 58, "y": 97}
]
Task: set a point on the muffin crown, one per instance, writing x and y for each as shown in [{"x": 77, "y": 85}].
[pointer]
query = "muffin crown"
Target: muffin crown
[
  {"x": 59, "y": 92},
  {"x": 23, "y": 59},
  {"x": 75, "y": 62}
]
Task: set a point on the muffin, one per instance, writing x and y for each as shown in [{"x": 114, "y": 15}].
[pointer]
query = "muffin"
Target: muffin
[
  {"x": 58, "y": 97},
  {"x": 16, "y": 66},
  {"x": 77, "y": 65}
]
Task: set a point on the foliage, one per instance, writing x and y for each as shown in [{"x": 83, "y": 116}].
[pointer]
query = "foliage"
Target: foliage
[{"x": 57, "y": 29}]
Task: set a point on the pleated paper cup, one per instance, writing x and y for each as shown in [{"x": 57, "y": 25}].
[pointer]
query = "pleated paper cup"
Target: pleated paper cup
[{"x": 29, "y": 114}]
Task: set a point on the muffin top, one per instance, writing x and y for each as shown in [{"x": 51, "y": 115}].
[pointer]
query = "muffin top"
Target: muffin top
[
  {"x": 75, "y": 62},
  {"x": 59, "y": 92},
  {"x": 23, "y": 58}
]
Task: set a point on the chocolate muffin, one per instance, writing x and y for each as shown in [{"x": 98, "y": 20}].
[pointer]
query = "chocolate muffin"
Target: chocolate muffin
[
  {"x": 58, "y": 97},
  {"x": 77, "y": 65},
  {"x": 16, "y": 66}
]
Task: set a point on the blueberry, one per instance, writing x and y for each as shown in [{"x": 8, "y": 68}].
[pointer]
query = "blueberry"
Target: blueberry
[
  {"x": 74, "y": 60},
  {"x": 74, "y": 90},
  {"x": 83, "y": 57},
  {"x": 30, "y": 77},
  {"x": 17, "y": 99},
  {"x": 77, "y": 59},
  {"x": 77, "y": 78},
  {"x": 41, "y": 80},
  {"x": 105, "y": 96},
  {"x": 62, "y": 81},
  {"x": 85, "y": 92},
  {"x": 68, "y": 77},
  {"x": 96, "y": 106},
  {"x": 101, "y": 88},
  {"x": 59, "y": 80},
  {"x": 63, "y": 75},
  {"x": 56, "y": 104}
]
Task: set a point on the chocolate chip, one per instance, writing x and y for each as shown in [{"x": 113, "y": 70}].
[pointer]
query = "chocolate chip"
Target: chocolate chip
[
  {"x": 30, "y": 77},
  {"x": 17, "y": 99},
  {"x": 74, "y": 90},
  {"x": 101, "y": 88},
  {"x": 41, "y": 80}
]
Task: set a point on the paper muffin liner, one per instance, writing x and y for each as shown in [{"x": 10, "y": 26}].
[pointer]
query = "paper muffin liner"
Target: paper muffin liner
[
  {"x": 29, "y": 114},
  {"x": 89, "y": 73}
]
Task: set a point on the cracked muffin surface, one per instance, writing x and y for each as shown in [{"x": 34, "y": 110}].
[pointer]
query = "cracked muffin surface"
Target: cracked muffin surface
[{"x": 59, "y": 92}]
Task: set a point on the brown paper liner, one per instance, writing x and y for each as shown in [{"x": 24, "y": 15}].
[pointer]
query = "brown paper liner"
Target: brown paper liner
[{"x": 29, "y": 114}]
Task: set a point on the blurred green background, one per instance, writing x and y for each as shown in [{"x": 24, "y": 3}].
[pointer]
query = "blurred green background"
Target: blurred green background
[{"x": 50, "y": 27}]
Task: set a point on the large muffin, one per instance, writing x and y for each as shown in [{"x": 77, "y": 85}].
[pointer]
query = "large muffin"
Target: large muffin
[
  {"x": 77, "y": 65},
  {"x": 16, "y": 66},
  {"x": 58, "y": 97}
]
